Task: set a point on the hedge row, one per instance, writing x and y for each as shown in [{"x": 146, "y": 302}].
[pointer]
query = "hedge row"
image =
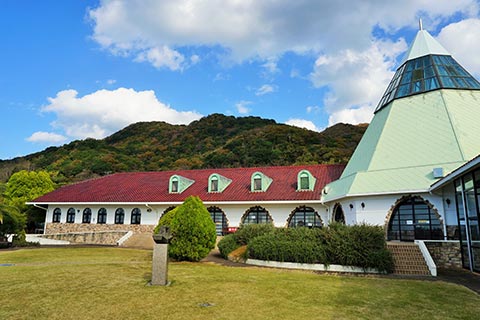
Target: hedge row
[
  {"x": 358, "y": 245},
  {"x": 242, "y": 237}
]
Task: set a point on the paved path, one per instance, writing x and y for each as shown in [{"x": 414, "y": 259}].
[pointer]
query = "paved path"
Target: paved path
[{"x": 462, "y": 277}]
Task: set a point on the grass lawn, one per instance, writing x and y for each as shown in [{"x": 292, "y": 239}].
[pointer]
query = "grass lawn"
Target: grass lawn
[{"x": 111, "y": 283}]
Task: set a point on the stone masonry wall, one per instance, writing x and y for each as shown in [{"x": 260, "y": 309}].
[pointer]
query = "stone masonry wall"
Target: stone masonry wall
[
  {"x": 85, "y": 233},
  {"x": 103, "y": 237},
  {"x": 53, "y": 228},
  {"x": 446, "y": 254}
]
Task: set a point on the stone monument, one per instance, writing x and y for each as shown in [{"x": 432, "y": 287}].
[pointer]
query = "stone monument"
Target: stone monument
[{"x": 160, "y": 256}]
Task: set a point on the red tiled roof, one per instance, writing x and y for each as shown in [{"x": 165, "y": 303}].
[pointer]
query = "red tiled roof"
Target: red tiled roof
[{"x": 152, "y": 187}]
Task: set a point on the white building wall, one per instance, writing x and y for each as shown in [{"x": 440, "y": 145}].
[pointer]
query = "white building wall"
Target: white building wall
[
  {"x": 376, "y": 208},
  {"x": 280, "y": 212}
]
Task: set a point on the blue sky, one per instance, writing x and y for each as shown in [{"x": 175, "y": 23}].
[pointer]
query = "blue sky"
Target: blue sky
[{"x": 76, "y": 69}]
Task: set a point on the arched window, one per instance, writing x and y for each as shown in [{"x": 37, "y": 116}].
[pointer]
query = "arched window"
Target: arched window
[
  {"x": 71, "y": 215},
  {"x": 218, "y": 216},
  {"x": 102, "y": 216},
  {"x": 256, "y": 215},
  {"x": 136, "y": 216},
  {"x": 338, "y": 215},
  {"x": 304, "y": 217},
  {"x": 413, "y": 218},
  {"x": 119, "y": 216},
  {"x": 57, "y": 214},
  {"x": 87, "y": 215}
]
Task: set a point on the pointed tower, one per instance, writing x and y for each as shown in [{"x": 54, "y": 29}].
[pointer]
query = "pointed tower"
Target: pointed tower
[{"x": 426, "y": 124}]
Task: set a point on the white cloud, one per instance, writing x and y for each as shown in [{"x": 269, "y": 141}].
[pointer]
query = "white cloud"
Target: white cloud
[
  {"x": 104, "y": 112},
  {"x": 242, "y": 107},
  {"x": 356, "y": 78},
  {"x": 461, "y": 40},
  {"x": 302, "y": 123},
  {"x": 265, "y": 29},
  {"x": 352, "y": 63},
  {"x": 46, "y": 137},
  {"x": 363, "y": 114},
  {"x": 111, "y": 81},
  {"x": 162, "y": 57},
  {"x": 266, "y": 88}
]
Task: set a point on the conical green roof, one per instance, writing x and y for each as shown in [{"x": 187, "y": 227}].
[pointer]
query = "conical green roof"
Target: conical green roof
[{"x": 414, "y": 131}]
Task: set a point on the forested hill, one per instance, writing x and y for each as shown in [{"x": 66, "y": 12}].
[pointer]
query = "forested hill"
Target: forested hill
[{"x": 211, "y": 142}]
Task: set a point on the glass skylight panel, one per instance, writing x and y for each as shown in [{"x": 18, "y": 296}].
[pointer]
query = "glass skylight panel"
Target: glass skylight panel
[{"x": 425, "y": 74}]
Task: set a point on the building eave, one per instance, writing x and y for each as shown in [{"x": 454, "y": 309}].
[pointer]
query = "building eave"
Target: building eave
[
  {"x": 359, "y": 195},
  {"x": 178, "y": 203}
]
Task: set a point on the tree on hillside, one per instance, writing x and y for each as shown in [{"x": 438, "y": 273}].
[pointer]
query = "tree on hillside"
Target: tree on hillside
[{"x": 25, "y": 186}]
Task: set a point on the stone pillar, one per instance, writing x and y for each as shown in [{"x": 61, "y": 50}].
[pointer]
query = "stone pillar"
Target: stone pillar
[
  {"x": 160, "y": 264},
  {"x": 160, "y": 257}
]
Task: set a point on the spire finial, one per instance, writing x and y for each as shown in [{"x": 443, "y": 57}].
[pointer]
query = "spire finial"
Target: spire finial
[{"x": 420, "y": 25}]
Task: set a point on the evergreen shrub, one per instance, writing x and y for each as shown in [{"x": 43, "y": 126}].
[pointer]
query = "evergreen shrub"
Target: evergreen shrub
[
  {"x": 247, "y": 232},
  {"x": 165, "y": 219},
  {"x": 288, "y": 245},
  {"x": 358, "y": 245},
  {"x": 227, "y": 244},
  {"x": 193, "y": 231}
]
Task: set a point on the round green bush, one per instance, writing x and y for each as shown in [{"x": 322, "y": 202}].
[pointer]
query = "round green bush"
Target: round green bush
[{"x": 193, "y": 231}]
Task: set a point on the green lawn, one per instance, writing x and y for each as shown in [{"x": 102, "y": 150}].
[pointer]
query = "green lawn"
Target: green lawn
[{"x": 111, "y": 283}]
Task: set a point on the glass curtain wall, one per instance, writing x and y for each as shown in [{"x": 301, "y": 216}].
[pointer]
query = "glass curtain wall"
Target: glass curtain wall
[{"x": 467, "y": 196}]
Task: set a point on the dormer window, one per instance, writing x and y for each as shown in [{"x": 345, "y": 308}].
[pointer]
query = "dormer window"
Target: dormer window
[
  {"x": 178, "y": 184},
  {"x": 305, "y": 181},
  {"x": 217, "y": 183},
  {"x": 260, "y": 182}
]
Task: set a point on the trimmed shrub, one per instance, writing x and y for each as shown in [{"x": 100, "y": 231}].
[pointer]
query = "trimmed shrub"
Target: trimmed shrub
[
  {"x": 227, "y": 245},
  {"x": 358, "y": 245},
  {"x": 249, "y": 231},
  {"x": 193, "y": 231},
  {"x": 288, "y": 245}
]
